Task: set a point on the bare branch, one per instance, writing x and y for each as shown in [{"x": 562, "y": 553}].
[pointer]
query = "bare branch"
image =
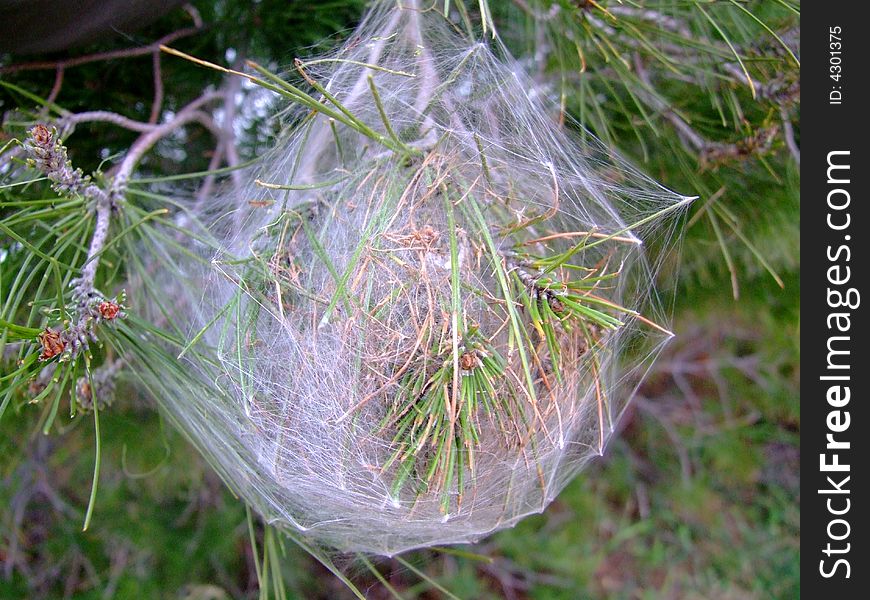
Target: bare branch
[
  {"x": 104, "y": 116},
  {"x": 146, "y": 141},
  {"x": 101, "y": 56},
  {"x": 157, "y": 103},
  {"x": 58, "y": 83},
  {"x": 687, "y": 134}
]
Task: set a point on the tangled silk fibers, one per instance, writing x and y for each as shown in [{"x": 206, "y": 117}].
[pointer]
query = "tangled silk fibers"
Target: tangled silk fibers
[{"x": 430, "y": 307}]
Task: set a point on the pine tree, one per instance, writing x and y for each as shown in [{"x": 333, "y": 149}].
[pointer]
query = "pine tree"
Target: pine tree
[{"x": 99, "y": 143}]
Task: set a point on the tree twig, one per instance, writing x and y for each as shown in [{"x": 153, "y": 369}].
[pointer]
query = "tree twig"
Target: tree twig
[
  {"x": 104, "y": 116},
  {"x": 58, "y": 83},
  {"x": 157, "y": 103},
  {"x": 101, "y": 56},
  {"x": 146, "y": 141},
  {"x": 686, "y": 132},
  {"x": 50, "y": 156}
]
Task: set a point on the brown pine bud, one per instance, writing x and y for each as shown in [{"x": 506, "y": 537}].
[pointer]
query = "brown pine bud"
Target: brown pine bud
[
  {"x": 109, "y": 310},
  {"x": 41, "y": 135},
  {"x": 467, "y": 361},
  {"x": 52, "y": 344}
]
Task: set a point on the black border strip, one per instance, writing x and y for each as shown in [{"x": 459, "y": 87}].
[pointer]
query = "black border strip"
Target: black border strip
[{"x": 835, "y": 112}]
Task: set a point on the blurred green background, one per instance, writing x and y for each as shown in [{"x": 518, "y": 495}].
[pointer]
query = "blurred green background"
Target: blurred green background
[{"x": 697, "y": 497}]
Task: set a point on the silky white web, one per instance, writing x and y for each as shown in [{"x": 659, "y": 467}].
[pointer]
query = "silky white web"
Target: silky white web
[{"x": 427, "y": 311}]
